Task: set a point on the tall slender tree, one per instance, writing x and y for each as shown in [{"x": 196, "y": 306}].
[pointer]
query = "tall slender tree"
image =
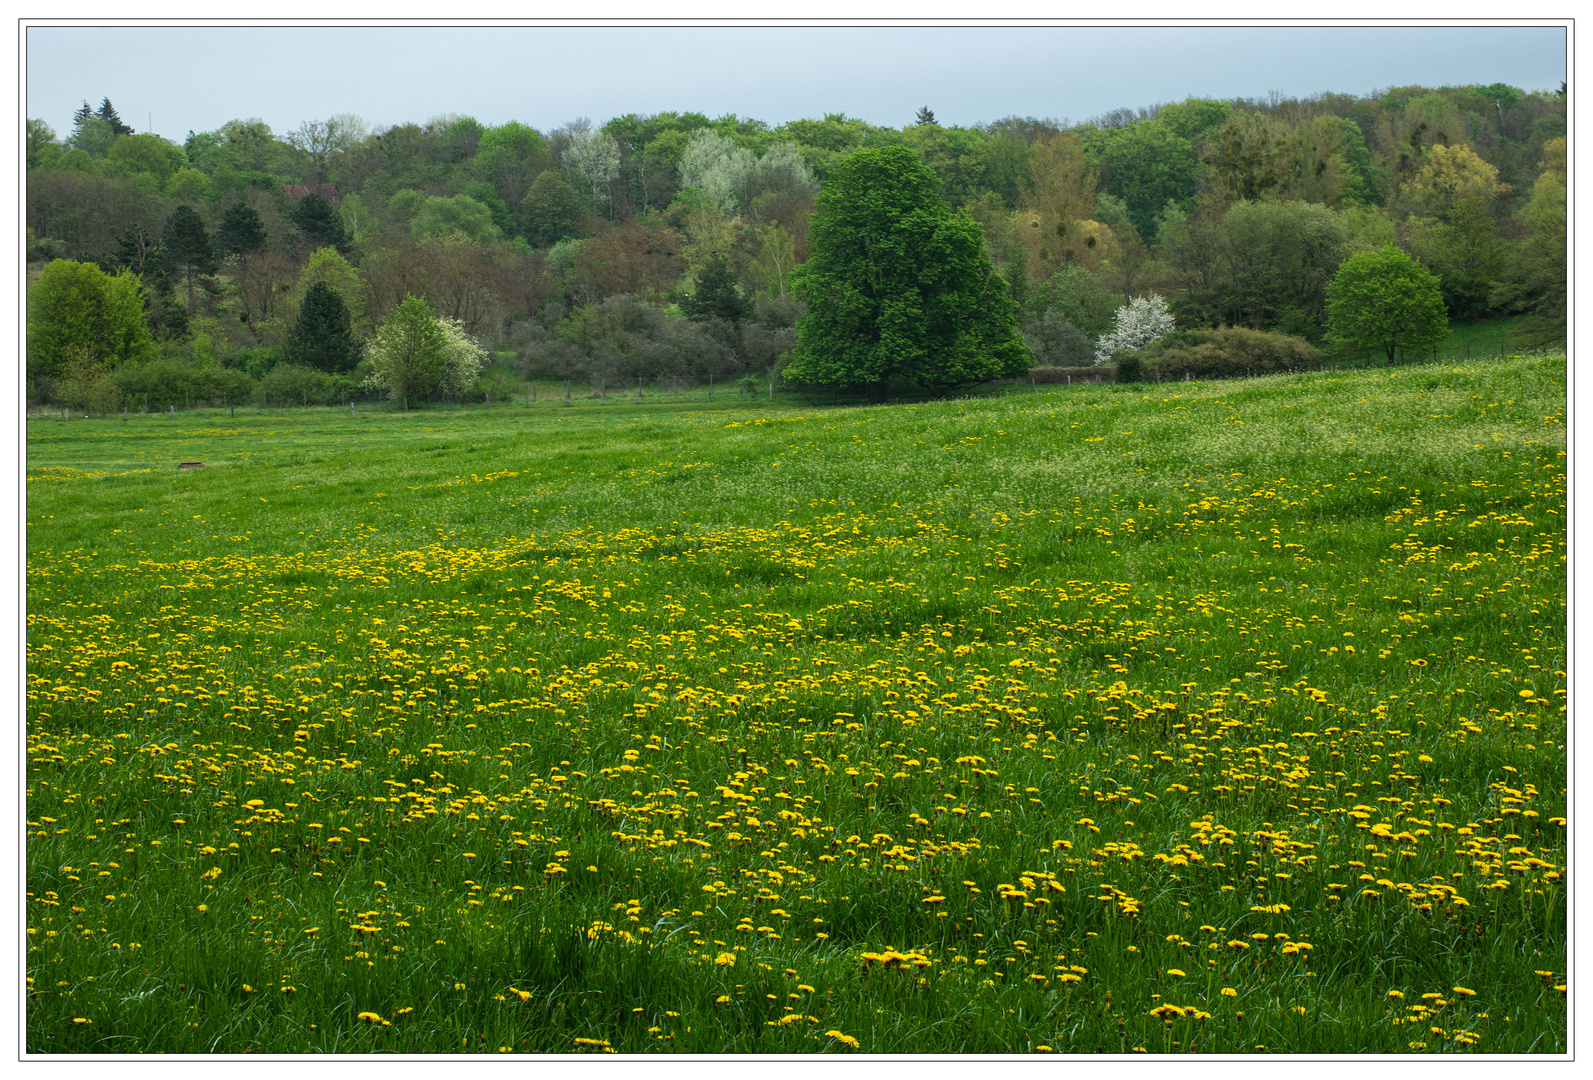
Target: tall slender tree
[
  {"x": 107, "y": 113},
  {"x": 187, "y": 247}
]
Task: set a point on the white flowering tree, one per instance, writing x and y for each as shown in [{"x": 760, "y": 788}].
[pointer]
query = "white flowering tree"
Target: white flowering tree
[
  {"x": 416, "y": 354},
  {"x": 1136, "y": 324},
  {"x": 464, "y": 357}
]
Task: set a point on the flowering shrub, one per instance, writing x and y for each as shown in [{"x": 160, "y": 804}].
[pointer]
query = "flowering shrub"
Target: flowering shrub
[{"x": 1135, "y": 325}]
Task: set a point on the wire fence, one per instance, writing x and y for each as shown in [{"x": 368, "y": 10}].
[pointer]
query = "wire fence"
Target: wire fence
[{"x": 540, "y": 395}]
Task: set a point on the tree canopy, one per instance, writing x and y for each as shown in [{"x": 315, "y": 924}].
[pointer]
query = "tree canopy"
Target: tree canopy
[
  {"x": 1385, "y": 300},
  {"x": 898, "y": 286},
  {"x": 78, "y": 309}
]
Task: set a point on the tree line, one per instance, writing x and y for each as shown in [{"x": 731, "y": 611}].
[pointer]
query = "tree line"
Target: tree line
[{"x": 669, "y": 244}]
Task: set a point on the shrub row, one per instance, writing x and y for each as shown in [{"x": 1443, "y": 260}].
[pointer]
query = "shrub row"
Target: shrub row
[{"x": 1227, "y": 352}]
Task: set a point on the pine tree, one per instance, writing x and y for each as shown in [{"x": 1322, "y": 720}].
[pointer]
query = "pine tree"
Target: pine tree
[
  {"x": 187, "y": 247},
  {"x": 323, "y": 336},
  {"x": 240, "y": 232},
  {"x": 926, "y": 115},
  {"x": 81, "y": 117},
  {"x": 107, "y": 113},
  {"x": 319, "y": 222}
]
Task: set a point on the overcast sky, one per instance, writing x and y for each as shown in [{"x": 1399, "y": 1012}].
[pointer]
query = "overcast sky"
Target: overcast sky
[{"x": 199, "y": 78}]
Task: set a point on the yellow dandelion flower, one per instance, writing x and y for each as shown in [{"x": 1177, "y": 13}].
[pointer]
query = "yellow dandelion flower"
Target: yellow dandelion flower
[
  {"x": 370, "y": 1017},
  {"x": 1175, "y": 973},
  {"x": 1463, "y": 992},
  {"x": 840, "y": 1038},
  {"x": 1229, "y": 991},
  {"x": 725, "y": 959}
]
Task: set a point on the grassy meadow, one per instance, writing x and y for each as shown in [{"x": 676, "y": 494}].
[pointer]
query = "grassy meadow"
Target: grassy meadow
[{"x": 1198, "y": 717}]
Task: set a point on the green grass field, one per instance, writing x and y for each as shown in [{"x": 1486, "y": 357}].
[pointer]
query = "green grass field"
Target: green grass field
[{"x": 1199, "y": 717}]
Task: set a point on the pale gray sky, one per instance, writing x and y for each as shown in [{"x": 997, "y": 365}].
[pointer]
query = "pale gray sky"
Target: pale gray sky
[{"x": 199, "y": 78}]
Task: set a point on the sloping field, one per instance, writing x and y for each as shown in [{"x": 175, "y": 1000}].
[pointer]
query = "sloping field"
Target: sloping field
[{"x": 1195, "y": 717}]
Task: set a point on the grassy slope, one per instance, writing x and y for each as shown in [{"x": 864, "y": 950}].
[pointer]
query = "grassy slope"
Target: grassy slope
[{"x": 767, "y": 669}]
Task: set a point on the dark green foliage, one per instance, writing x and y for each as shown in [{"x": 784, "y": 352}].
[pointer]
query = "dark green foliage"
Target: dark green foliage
[
  {"x": 169, "y": 380},
  {"x": 322, "y": 337},
  {"x": 1384, "y": 300},
  {"x": 1468, "y": 256},
  {"x": 896, "y": 285},
  {"x": 1130, "y": 366},
  {"x": 240, "y": 231},
  {"x": 552, "y": 210},
  {"x": 1228, "y": 352},
  {"x": 1145, "y": 165},
  {"x": 107, "y": 113},
  {"x": 318, "y": 220},
  {"x": 187, "y": 249},
  {"x": 716, "y": 294}
]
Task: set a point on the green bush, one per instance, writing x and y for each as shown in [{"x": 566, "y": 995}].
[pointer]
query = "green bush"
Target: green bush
[
  {"x": 175, "y": 380},
  {"x": 292, "y": 384},
  {"x": 255, "y": 362},
  {"x": 1130, "y": 365},
  {"x": 1229, "y": 352}
]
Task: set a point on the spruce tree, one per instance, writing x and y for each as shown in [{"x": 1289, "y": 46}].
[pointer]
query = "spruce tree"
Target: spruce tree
[
  {"x": 81, "y": 117},
  {"x": 186, "y": 246},
  {"x": 323, "y": 336},
  {"x": 107, "y": 113}
]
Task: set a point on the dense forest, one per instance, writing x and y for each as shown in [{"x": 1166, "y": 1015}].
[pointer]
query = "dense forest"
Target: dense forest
[{"x": 661, "y": 246}]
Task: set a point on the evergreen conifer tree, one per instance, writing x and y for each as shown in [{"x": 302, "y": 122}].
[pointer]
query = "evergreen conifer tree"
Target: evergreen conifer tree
[
  {"x": 186, "y": 245},
  {"x": 716, "y": 294},
  {"x": 323, "y": 336},
  {"x": 318, "y": 220},
  {"x": 107, "y": 113}
]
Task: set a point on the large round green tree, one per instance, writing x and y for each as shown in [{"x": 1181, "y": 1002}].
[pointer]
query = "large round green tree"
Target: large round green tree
[
  {"x": 1384, "y": 300},
  {"x": 898, "y": 286}
]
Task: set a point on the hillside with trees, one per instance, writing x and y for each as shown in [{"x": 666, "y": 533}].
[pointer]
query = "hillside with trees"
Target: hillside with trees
[{"x": 669, "y": 245}]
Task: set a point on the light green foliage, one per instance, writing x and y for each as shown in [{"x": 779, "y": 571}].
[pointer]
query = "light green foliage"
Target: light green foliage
[
  {"x": 133, "y": 154},
  {"x": 898, "y": 286},
  {"x": 509, "y": 157},
  {"x": 359, "y": 224},
  {"x": 77, "y": 308},
  {"x": 1193, "y": 117},
  {"x": 1384, "y": 300},
  {"x": 438, "y": 216},
  {"x": 187, "y": 185},
  {"x": 411, "y": 354},
  {"x": 717, "y": 167}
]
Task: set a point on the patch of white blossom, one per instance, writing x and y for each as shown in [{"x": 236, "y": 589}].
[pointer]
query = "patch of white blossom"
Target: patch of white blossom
[{"x": 1135, "y": 325}]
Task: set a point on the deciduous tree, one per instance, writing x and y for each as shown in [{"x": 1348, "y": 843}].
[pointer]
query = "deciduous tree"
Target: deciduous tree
[
  {"x": 409, "y": 353},
  {"x": 1384, "y": 300},
  {"x": 76, "y": 307},
  {"x": 897, "y": 285}
]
